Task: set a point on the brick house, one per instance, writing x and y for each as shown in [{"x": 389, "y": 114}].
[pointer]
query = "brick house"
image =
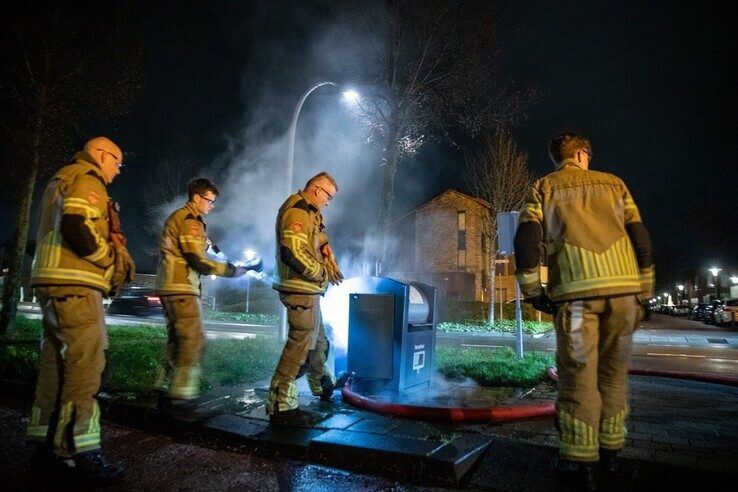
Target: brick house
[{"x": 445, "y": 242}]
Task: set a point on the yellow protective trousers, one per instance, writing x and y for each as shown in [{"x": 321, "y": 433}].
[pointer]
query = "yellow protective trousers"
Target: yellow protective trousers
[
  {"x": 179, "y": 374},
  {"x": 305, "y": 351},
  {"x": 593, "y": 343},
  {"x": 65, "y": 413}
]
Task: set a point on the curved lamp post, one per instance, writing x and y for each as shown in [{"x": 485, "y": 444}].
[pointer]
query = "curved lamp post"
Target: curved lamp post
[{"x": 349, "y": 95}]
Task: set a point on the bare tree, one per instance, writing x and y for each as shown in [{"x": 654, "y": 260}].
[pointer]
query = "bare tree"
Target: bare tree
[
  {"x": 499, "y": 175},
  {"x": 436, "y": 73},
  {"x": 64, "y": 63}
]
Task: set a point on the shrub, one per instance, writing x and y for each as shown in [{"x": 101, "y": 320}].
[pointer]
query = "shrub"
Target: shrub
[{"x": 500, "y": 326}]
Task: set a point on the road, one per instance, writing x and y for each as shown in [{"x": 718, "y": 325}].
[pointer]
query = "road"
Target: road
[{"x": 660, "y": 343}]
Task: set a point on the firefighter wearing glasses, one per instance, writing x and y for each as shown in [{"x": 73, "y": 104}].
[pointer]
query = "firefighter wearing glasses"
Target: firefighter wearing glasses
[
  {"x": 600, "y": 268},
  {"x": 182, "y": 260},
  {"x": 305, "y": 266},
  {"x": 80, "y": 258}
]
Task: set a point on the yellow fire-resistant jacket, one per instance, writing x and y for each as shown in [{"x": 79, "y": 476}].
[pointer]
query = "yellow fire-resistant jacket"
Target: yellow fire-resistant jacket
[
  {"x": 182, "y": 256},
  {"x": 595, "y": 242},
  {"x": 73, "y": 243},
  {"x": 300, "y": 236}
]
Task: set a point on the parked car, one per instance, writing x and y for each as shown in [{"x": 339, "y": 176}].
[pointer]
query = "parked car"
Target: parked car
[
  {"x": 681, "y": 310},
  {"x": 710, "y": 311},
  {"x": 698, "y": 312},
  {"x": 729, "y": 312},
  {"x": 136, "y": 302}
]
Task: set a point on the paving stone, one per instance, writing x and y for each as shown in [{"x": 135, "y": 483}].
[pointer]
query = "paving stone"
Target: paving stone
[
  {"x": 234, "y": 425},
  {"x": 339, "y": 421},
  {"x": 374, "y": 425},
  {"x": 459, "y": 456}
]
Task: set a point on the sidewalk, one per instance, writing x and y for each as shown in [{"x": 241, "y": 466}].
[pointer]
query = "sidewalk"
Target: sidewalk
[{"x": 683, "y": 435}]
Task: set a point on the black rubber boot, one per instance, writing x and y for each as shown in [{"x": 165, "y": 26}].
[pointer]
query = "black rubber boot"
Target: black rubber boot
[
  {"x": 329, "y": 388},
  {"x": 93, "y": 468},
  {"x": 189, "y": 410},
  {"x": 609, "y": 460},
  {"x": 295, "y": 417},
  {"x": 43, "y": 459},
  {"x": 579, "y": 475}
]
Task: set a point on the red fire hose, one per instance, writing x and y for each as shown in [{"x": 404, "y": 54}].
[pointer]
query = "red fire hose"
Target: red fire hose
[
  {"x": 506, "y": 413},
  {"x": 453, "y": 414}
]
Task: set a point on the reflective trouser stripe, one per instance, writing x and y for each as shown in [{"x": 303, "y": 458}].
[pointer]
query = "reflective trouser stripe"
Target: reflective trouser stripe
[
  {"x": 613, "y": 431},
  {"x": 65, "y": 417},
  {"x": 282, "y": 397},
  {"x": 185, "y": 382},
  {"x": 36, "y": 431},
  {"x": 578, "y": 440},
  {"x": 163, "y": 379}
]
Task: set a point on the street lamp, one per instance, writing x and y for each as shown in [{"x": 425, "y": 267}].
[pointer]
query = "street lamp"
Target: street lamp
[
  {"x": 680, "y": 288},
  {"x": 249, "y": 254},
  {"x": 348, "y": 95},
  {"x": 714, "y": 271}
]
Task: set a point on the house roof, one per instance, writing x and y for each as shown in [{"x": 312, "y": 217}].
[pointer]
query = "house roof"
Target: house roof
[{"x": 449, "y": 191}]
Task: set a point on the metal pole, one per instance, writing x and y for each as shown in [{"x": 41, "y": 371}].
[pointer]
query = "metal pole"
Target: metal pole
[
  {"x": 518, "y": 322},
  {"x": 248, "y": 292},
  {"x": 290, "y": 166}
]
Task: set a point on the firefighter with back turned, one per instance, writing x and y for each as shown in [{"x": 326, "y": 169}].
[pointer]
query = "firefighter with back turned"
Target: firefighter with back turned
[{"x": 600, "y": 271}]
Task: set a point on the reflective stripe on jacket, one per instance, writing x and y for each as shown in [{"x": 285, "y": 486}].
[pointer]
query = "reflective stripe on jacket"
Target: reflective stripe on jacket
[
  {"x": 595, "y": 242},
  {"x": 300, "y": 235},
  {"x": 73, "y": 240},
  {"x": 182, "y": 257}
]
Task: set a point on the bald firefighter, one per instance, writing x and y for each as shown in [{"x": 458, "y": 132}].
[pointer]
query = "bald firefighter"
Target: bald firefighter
[
  {"x": 182, "y": 260},
  {"x": 79, "y": 259},
  {"x": 600, "y": 271},
  {"x": 305, "y": 266}
]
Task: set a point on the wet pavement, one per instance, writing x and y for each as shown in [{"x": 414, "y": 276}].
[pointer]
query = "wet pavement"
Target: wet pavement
[{"x": 683, "y": 435}]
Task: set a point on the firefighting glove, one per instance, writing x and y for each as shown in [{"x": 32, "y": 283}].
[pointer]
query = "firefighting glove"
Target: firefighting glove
[
  {"x": 124, "y": 269},
  {"x": 332, "y": 271},
  {"x": 543, "y": 303}
]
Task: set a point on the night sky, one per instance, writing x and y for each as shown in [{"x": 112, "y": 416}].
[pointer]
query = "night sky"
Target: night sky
[{"x": 649, "y": 85}]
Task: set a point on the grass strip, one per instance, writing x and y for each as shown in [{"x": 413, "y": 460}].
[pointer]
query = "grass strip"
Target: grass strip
[
  {"x": 135, "y": 352},
  {"x": 493, "y": 367}
]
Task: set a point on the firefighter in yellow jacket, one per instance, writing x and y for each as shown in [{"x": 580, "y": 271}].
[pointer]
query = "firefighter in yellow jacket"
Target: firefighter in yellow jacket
[
  {"x": 600, "y": 270},
  {"x": 77, "y": 263},
  {"x": 182, "y": 260},
  {"x": 305, "y": 266}
]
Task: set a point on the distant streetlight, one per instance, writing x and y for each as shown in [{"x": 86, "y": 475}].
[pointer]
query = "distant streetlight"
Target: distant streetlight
[
  {"x": 680, "y": 288},
  {"x": 734, "y": 279},
  {"x": 714, "y": 271}
]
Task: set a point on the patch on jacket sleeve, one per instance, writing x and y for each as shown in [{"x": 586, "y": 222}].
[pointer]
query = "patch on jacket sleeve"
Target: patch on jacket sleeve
[
  {"x": 297, "y": 226},
  {"x": 93, "y": 197},
  {"x": 194, "y": 230}
]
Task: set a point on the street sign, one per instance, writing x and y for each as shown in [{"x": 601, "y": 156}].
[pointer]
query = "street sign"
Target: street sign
[{"x": 507, "y": 222}]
